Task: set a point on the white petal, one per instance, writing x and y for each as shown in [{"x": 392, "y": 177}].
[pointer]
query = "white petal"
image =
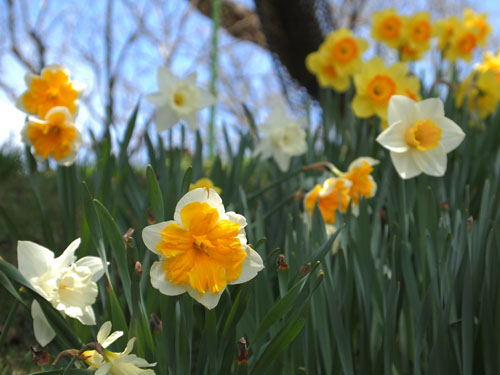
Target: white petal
[
  {"x": 265, "y": 148},
  {"x": 283, "y": 160},
  {"x": 111, "y": 339},
  {"x": 430, "y": 108},
  {"x": 160, "y": 281},
  {"x": 401, "y": 108},
  {"x": 88, "y": 317},
  {"x": 252, "y": 265},
  {"x": 151, "y": 235},
  {"x": 208, "y": 300},
  {"x": 452, "y": 134},
  {"x": 28, "y": 77},
  {"x": 165, "y": 78},
  {"x": 43, "y": 331},
  {"x": 94, "y": 264},
  {"x": 19, "y": 102},
  {"x": 393, "y": 138},
  {"x": 278, "y": 116},
  {"x": 209, "y": 196},
  {"x": 191, "y": 119},
  {"x": 405, "y": 165},
  {"x": 130, "y": 346},
  {"x": 206, "y": 99},
  {"x": 104, "y": 369},
  {"x": 191, "y": 78},
  {"x": 165, "y": 118},
  {"x": 359, "y": 162},
  {"x": 67, "y": 258},
  {"x": 431, "y": 162},
  {"x": 33, "y": 260},
  {"x": 157, "y": 98},
  {"x": 103, "y": 332},
  {"x": 242, "y": 222}
]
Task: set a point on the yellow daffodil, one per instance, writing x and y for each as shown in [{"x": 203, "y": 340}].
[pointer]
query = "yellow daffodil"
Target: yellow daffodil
[
  {"x": 375, "y": 85},
  {"x": 344, "y": 50},
  {"x": 204, "y": 182},
  {"x": 321, "y": 65},
  {"x": 52, "y": 88},
  {"x": 178, "y": 99},
  {"x": 479, "y": 23},
  {"x": 55, "y": 136},
  {"x": 482, "y": 91},
  {"x": 444, "y": 30},
  {"x": 387, "y": 27},
  {"x": 419, "y": 136},
  {"x": 490, "y": 62},
  {"x": 333, "y": 195},
  {"x": 202, "y": 250},
  {"x": 417, "y": 34},
  {"x": 69, "y": 285},
  {"x": 408, "y": 53},
  {"x": 362, "y": 183},
  {"x": 113, "y": 363},
  {"x": 463, "y": 43}
]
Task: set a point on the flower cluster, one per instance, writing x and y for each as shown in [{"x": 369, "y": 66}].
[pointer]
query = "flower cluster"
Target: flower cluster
[
  {"x": 481, "y": 89},
  {"x": 458, "y": 38},
  {"x": 52, "y": 100},
  {"x": 338, "y": 58},
  {"x": 410, "y": 35},
  {"x": 347, "y": 187}
]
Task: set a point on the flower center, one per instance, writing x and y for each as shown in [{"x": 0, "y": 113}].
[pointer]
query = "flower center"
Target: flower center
[
  {"x": 179, "y": 99},
  {"x": 345, "y": 50},
  {"x": 204, "y": 252},
  {"x": 390, "y": 27},
  {"x": 467, "y": 43},
  {"x": 422, "y": 31},
  {"x": 381, "y": 88},
  {"x": 423, "y": 135}
]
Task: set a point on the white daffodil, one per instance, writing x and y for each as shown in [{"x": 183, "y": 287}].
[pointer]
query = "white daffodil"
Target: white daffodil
[
  {"x": 178, "y": 99},
  {"x": 68, "y": 285},
  {"x": 419, "y": 136},
  {"x": 202, "y": 250},
  {"x": 115, "y": 363},
  {"x": 282, "y": 138}
]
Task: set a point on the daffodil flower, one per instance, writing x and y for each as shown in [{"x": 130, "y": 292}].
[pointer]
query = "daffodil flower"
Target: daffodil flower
[
  {"x": 362, "y": 183},
  {"x": 68, "y": 285},
  {"x": 52, "y": 88},
  {"x": 202, "y": 250},
  {"x": 205, "y": 182},
  {"x": 178, "y": 99},
  {"x": 113, "y": 363},
  {"x": 282, "y": 138},
  {"x": 333, "y": 195},
  {"x": 387, "y": 27},
  {"x": 55, "y": 136},
  {"x": 419, "y": 136}
]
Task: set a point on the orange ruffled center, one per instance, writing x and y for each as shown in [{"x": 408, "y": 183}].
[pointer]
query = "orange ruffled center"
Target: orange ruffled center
[
  {"x": 390, "y": 27},
  {"x": 381, "y": 88},
  {"x": 52, "y": 137},
  {"x": 423, "y": 135},
  {"x": 362, "y": 184},
  {"x": 337, "y": 199},
  {"x": 421, "y": 31},
  {"x": 51, "y": 89},
  {"x": 204, "y": 252},
  {"x": 467, "y": 43},
  {"x": 345, "y": 50}
]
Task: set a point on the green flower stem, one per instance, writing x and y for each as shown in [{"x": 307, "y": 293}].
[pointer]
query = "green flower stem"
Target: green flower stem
[{"x": 213, "y": 71}]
